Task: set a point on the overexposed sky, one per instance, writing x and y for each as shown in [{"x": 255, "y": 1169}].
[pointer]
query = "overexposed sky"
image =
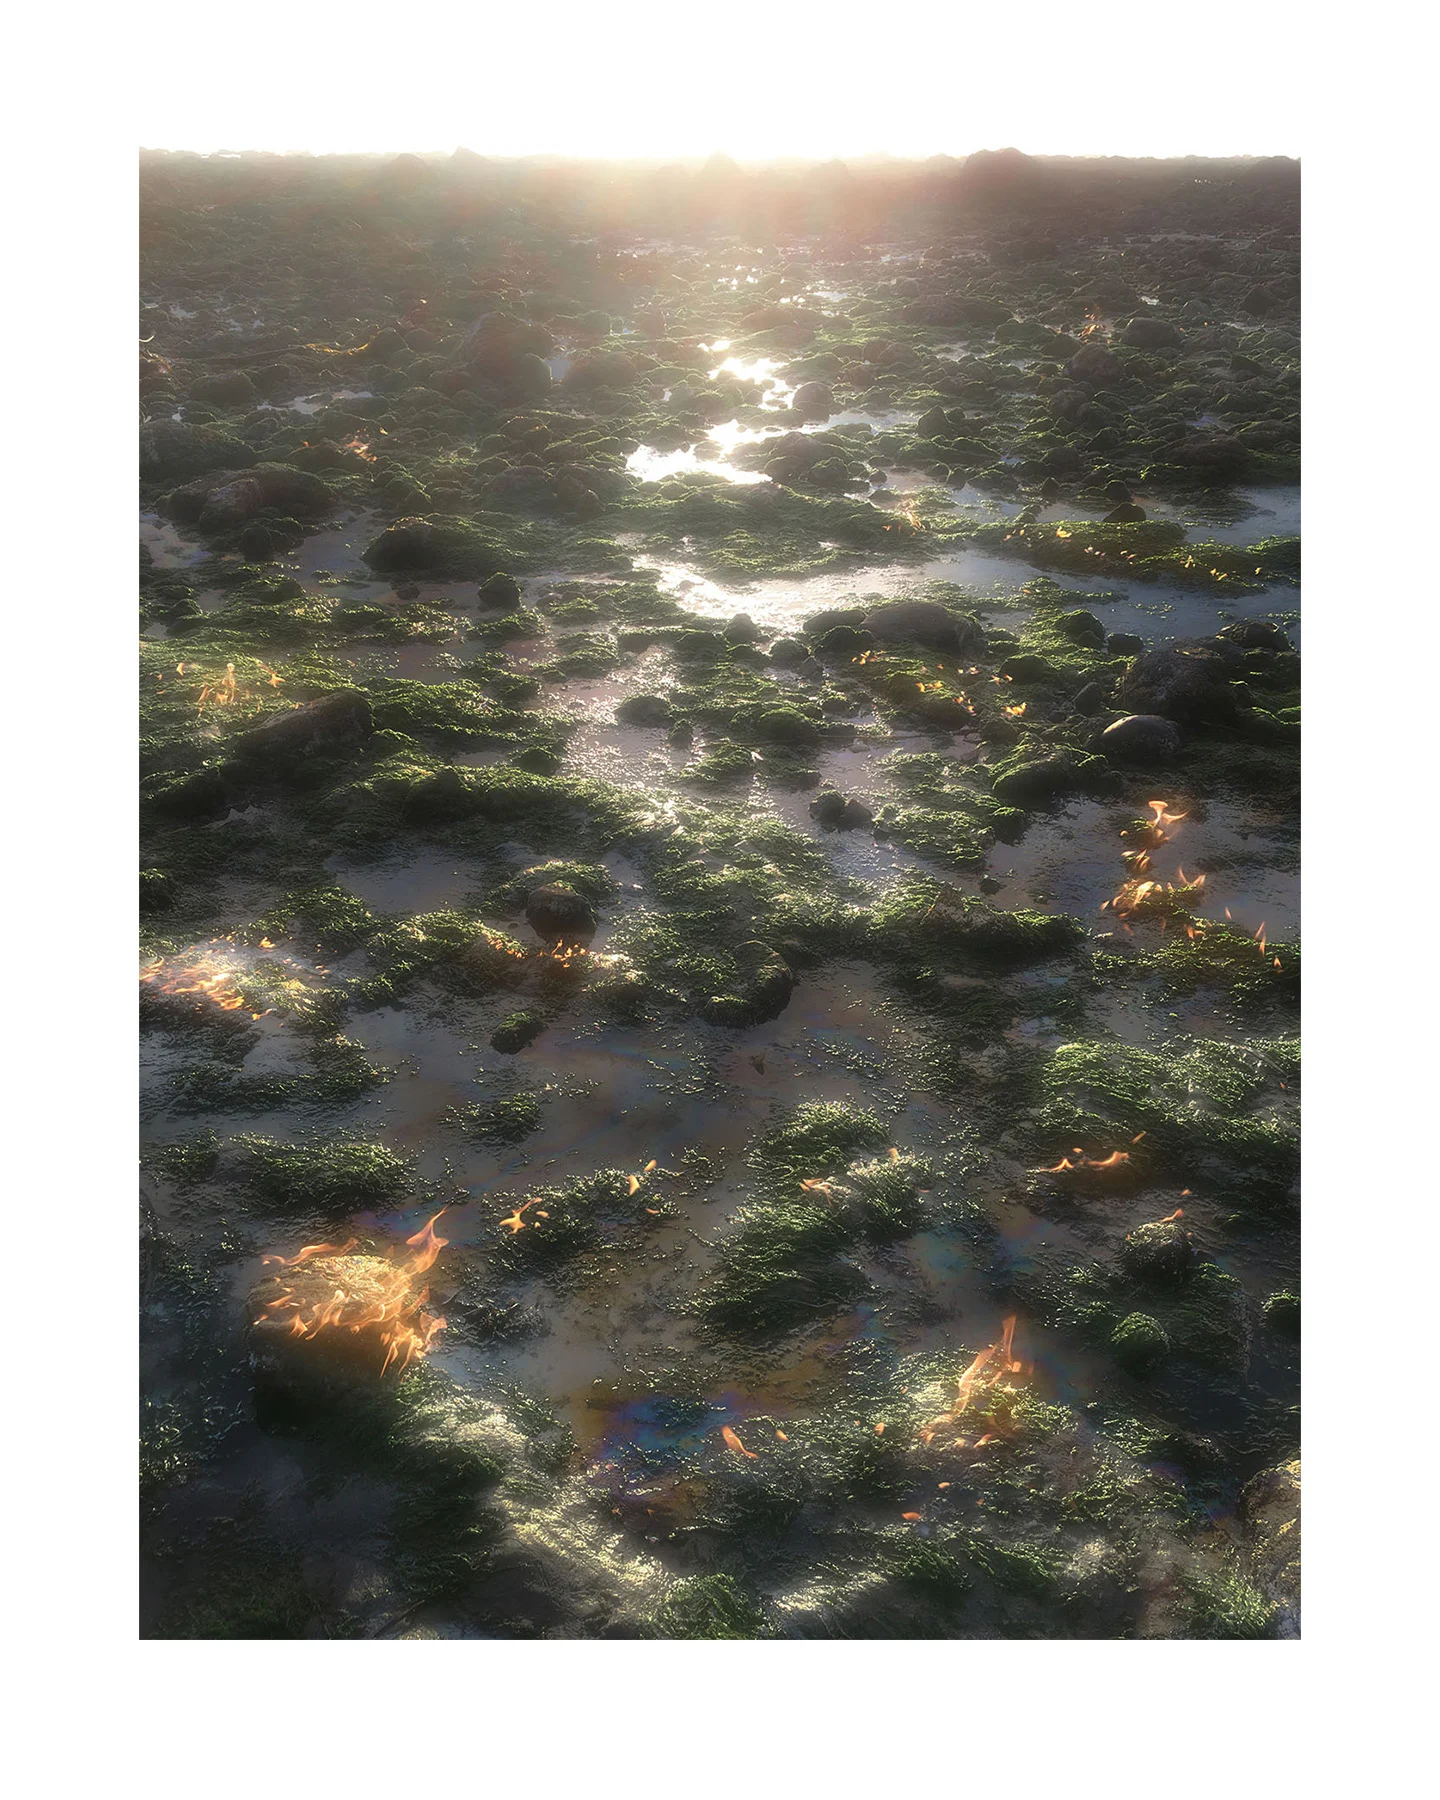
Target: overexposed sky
[{"x": 638, "y": 78}]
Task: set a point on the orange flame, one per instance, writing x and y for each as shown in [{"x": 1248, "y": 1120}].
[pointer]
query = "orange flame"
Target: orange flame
[
  {"x": 732, "y": 1441},
  {"x": 384, "y": 1301}
]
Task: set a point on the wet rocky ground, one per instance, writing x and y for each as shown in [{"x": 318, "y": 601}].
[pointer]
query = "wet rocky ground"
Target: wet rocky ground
[{"x": 719, "y": 814}]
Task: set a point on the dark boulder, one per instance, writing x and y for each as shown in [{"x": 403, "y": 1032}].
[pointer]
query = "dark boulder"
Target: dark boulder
[
  {"x": 1090, "y": 700},
  {"x": 500, "y": 591},
  {"x": 1094, "y": 366},
  {"x": 559, "y": 914},
  {"x": 1255, "y": 634},
  {"x": 1161, "y": 1251},
  {"x": 338, "y": 721},
  {"x": 171, "y": 450},
  {"x": 1127, "y": 513},
  {"x": 1189, "y": 682},
  {"x": 1125, "y": 643},
  {"x": 1144, "y": 333},
  {"x": 645, "y": 709},
  {"x": 924, "y": 622},
  {"x": 233, "y": 388},
  {"x": 833, "y": 812},
  {"x": 1142, "y": 738}
]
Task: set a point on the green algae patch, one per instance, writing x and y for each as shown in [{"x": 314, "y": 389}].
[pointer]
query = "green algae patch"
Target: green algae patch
[
  {"x": 323, "y": 1175},
  {"x": 708, "y": 1607}
]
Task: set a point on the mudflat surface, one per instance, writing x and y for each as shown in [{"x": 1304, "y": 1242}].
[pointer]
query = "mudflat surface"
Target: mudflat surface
[{"x": 870, "y": 1225}]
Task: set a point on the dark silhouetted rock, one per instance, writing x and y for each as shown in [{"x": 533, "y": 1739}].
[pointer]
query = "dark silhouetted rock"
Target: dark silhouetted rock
[{"x": 1143, "y": 738}]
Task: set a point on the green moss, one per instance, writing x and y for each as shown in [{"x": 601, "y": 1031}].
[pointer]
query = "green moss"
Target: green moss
[
  {"x": 502, "y": 1121},
  {"x": 332, "y": 1175},
  {"x": 779, "y": 1269},
  {"x": 517, "y": 1031},
  {"x": 708, "y": 1606},
  {"x": 819, "y": 1139},
  {"x": 1228, "y": 1606},
  {"x": 1139, "y": 1343}
]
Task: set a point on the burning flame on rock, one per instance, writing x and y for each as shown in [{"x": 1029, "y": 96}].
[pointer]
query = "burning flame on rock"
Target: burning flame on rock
[
  {"x": 368, "y": 1295},
  {"x": 203, "y": 974},
  {"x": 985, "y": 1373},
  {"x": 358, "y": 447}
]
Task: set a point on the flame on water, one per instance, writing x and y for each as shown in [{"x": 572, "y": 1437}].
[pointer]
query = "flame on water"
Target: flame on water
[
  {"x": 393, "y": 1307},
  {"x": 1116, "y": 1159}
]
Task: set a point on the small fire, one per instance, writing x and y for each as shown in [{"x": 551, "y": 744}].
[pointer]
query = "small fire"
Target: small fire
[
  {"x": 635, "y": 1180},
  {"x": 1117, "y": 1159},
  {"x": 357, "y": 446},
  {"x": 984, "y": 1373},
  {"x": 206, "y": 974},
  {"x": 732, "y": 1442},
  {"x": 516, "y": 1220},
  {"x": 371, "y": 1295}
]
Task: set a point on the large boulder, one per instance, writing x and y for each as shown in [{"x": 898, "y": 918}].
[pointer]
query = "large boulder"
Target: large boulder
[
  {"x": 812, "y": 400},
  {"x": 557, "y": 913},
  {"x": 1187, "y": 682},
  {"x": 1145, "y": 333},
  {"x": 171, "y": 450},
  {"x": 441, "y": 546},
  {"x": 338, "y": 721},
  {"x": 223, "y": 505},
  {"x": 1093, "y": 366},
  {"x": 1142, "y": 738},
  {"x": 924, "y": 622},
  {"x": 1270, "y": 1513}
]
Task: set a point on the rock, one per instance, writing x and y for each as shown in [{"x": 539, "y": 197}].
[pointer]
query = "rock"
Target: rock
[
  {"x": 924, "y": 622},
  {"x": 337, "y": 721},
  {"x": 742, "y": 629},
  {"x": 645, "y": 709},
  {"x": 1258, "y": 302},
  {"x": 1189, "y": 682},
  {"x": 500, "y": 591},
  {"x": 1081, "y": 627},
  {"x": 233, "y": 388},
  {"x": 1040, "y": 778},
  {"x": 1145, "y": 333},
  {"x": 833, "y": 812},
  {"x": 1140, "y": 1343},
  {"x": 361, "y": 1287},
  {"x": 1124, "y": 643},
  {"x": 1094, "y": 366},
  {"x": 221, "y": 506},
  {"x": 201, "y": 795},
  {"x": 785, "y": 652},
  {"x": 813, "y": 400},
  {"x": 1161, "y": 1251},
  {"x": 1255, "y": 634},
  {"x": 1143, "y": 738},
  {"x": 784, "y": 725},
  {"x": 157, "y": 891},
  {"x": 1212, "y": 452},
  {"x": 1090, "y": 700},
  {"x": 432, "y": 544},
  {"x": 1026, "y": 668},
  {"x": 1127, "y": 513},
  {"x": 170, "y": 449},
  {"x": 516, "y": 1033},
  {"x": 263, "y": 542},
  {"x": 762, "y": 991},
  {"x": 1282, "y": 1314},
  {"x": 560, "y": 915},
  {"x": 1269, "y": 1509}
]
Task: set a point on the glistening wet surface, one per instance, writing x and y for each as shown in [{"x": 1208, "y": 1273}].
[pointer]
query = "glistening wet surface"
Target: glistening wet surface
[{"x": 842, "y": 1114}]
